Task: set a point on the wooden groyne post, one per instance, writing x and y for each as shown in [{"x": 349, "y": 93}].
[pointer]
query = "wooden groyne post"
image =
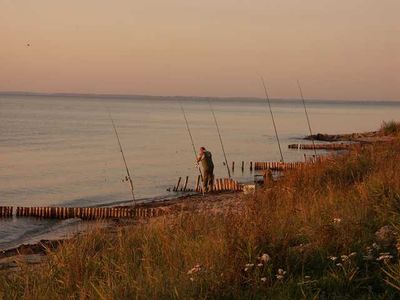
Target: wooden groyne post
[
  {"x": 331, "y": 146},
  {"x": 86, "y": 213},
  {"x": 176, "y": 188},
  {"x": 6, "y": 211}
]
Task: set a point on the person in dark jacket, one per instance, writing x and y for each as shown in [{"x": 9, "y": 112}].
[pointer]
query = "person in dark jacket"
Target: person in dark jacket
[{"x": 205, "y": 159}]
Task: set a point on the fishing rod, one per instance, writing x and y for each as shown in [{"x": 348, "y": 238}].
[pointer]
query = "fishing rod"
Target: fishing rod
[
  {"x": 308, "y": 119},
  {"x": 272, "y": 117},
  {"x": 220, "y": 138},
  {"x": 123, "y": 158},
  {"x": 190, "y": 136}
]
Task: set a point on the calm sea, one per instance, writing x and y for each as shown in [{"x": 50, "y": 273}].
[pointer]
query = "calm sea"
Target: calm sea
[{"x": 62, "y": 151}]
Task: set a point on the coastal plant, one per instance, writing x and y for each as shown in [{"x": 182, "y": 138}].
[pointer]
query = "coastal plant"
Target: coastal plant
[{"x": 390, "y": 128}]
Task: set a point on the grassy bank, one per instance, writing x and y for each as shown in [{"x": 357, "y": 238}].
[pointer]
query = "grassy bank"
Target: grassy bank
[{"x": 330, "y": 230}]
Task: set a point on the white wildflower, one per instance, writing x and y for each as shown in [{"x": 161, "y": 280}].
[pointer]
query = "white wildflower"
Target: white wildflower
[
  {"x": 265, "y": 258},
  {"x": 339, "y": 265},
  {"x": 344, "y": 257},
  {"x": 337, "y": 220},
  {"x": 263, "y": 279},
  {"x": 195, "y": 269},
  {"x": 281, "y": 274},
  {"x": 332, "y": 258},
  {"x": 352, "y": 254},
  {"x": 376, "y": 246},
  {"x": 191, "y": 279},
  {"x": 386, "y": 257},
  {"x": 249, "y": 265},
  {"x": 259, "y": 265}
]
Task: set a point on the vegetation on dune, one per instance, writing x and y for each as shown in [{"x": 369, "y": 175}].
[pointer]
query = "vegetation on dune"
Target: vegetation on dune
[
  {"x": 390, "y": 128},
  {"x": 327, "y": 231}
]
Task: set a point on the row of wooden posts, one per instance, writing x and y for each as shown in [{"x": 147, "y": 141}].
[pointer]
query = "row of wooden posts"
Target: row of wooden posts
[
  {"x": 277, "y": 166},
  {"x": 85, "y": 213},
  {"x": 264, "y": 165},
  {"x": 220, "y": 184},
  {"x": 227, "y": 184},
  {"x": 331, "y": 146},
  {"x": 6, "y": 211}
]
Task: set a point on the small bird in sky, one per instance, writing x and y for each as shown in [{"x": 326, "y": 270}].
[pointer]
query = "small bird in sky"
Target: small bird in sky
[{"x": 28, "y": 45}]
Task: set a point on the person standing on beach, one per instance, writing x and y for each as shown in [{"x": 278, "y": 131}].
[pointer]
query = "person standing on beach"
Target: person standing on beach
[{"x": 207, "y": 166}]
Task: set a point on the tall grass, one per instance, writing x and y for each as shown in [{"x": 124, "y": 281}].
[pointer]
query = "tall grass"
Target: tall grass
[
  {"x": 390, "y": 128},
  {"x": 310, "y": 235}
]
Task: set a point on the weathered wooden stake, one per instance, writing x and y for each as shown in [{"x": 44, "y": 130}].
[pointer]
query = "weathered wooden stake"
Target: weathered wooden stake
[
  {"x": 177, "y": 185},
  {"x": 186, "y": 182}
]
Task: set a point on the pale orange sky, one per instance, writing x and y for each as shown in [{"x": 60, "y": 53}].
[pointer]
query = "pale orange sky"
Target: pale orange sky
[{"x": 346, "y": 49}]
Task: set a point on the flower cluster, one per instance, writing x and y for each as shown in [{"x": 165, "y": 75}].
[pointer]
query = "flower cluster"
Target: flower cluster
[
  {"x": 343, "y": 258},
  {"x": 281, "y": 274},
  {"x": 374, "y": 254},
  {"x": 385, "y": 257},
  {"x": 262, "y": 260},
  {"x": 337, "y": 220},
  {"x": 195, "y": 269}
]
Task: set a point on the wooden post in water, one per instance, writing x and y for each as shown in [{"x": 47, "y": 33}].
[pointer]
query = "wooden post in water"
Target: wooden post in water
[
  {"x": 177, "y": 185},
  {"x": 233, "y": 166},
  {"x": 242, "y": 166},
  {"x": 186, "y": 182}
]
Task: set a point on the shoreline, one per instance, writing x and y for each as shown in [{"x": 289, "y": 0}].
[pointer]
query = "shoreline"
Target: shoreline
[
  {"x": 363, "y": 138},
  {"x": 35, "y": 253}
]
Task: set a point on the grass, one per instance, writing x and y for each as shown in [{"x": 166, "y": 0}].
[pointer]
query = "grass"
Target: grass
[
  {"x": 311, "y": 235},
  {"x": 390, "y": 128}
]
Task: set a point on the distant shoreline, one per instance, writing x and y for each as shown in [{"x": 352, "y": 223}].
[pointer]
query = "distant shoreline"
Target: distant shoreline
[{"x": 182, "y": 97}]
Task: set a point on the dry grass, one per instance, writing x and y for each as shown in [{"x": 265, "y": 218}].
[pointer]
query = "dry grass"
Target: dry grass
[
  {"x": 390, "y": 128},
  {"x": 317, "y": 224}
]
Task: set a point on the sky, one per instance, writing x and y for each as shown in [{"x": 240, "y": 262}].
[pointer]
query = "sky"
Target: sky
[{"x": 338, "y": 49}]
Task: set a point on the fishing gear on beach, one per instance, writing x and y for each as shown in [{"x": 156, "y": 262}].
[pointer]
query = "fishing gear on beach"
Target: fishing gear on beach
[
  {"x": 272, "y": 117},
  {"x": 308, "y": 119},
  {"x": 128, "y": 177},
  {"x": 190, "y": 136},
  {"x": 220, "y": 138}
]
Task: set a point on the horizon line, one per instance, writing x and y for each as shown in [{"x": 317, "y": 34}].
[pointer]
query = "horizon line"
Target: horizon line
[{"x": 169, "y": 97}]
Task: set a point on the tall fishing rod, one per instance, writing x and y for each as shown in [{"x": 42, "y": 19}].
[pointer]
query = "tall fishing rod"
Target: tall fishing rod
[
  {"x": 220, "y": 138},
  {"x": 190, "y": 136},
  {"x": 123, "y": 158},
  {"x": 272, "y": 117},
  {"x": 308, "y": 119}
]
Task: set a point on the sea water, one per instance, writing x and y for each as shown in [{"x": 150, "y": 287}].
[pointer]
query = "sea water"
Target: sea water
[{"x": 62, "y": 151}]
